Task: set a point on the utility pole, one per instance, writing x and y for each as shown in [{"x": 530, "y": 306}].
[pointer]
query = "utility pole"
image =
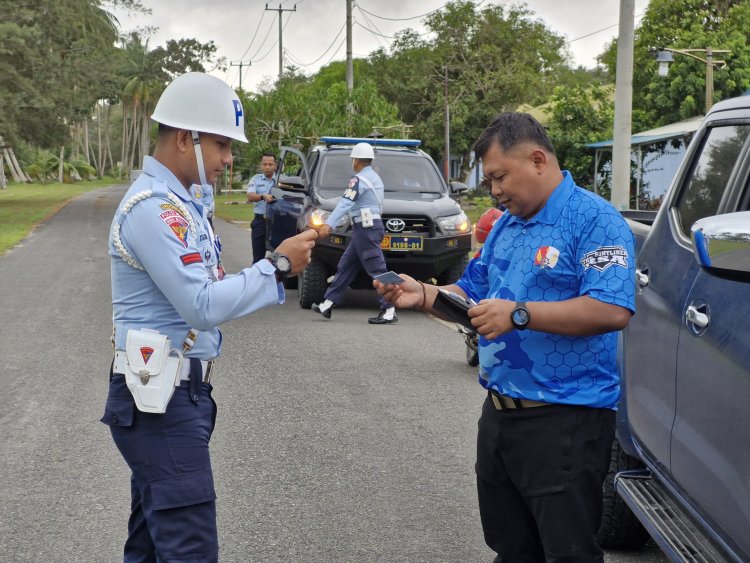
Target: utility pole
[
  {"x": 447, "y": 130},
  {"x": 349, "y": 63},
  {"x": 621, "y": 145},
  {"x": 281, "y": 44},
  {"x": 241, "y": 64}
]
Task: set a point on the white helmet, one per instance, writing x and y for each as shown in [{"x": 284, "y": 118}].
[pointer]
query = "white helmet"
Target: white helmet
[
  {"x": 199, "y": 102},
  {"x": 363, "y": 150}
]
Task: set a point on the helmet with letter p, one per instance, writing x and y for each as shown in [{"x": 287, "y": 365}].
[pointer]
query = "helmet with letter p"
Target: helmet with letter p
[
  {"x": 203, "y": 103},
  {"x": 363, "y": 151}
]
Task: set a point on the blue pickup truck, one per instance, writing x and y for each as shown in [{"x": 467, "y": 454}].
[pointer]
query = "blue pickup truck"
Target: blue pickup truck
[{"x": 682, "y": 460}]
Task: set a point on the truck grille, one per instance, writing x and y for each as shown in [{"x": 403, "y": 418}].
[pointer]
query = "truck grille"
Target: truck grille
[{"x": 423, "y": 225}]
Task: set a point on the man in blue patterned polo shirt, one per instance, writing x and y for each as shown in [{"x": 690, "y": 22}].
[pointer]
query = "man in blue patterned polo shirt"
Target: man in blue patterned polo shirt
[{"x": 554, "y": 283}]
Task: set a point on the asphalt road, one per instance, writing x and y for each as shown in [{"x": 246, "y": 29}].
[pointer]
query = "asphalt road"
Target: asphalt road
[{"x": 335, "y": 440}]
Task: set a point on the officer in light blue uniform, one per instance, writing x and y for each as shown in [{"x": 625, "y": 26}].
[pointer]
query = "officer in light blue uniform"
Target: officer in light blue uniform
[
  {"x": 362, "y": 202},
  {"x": 259, "y": 192},
  {"x": 164, "y": 263}
]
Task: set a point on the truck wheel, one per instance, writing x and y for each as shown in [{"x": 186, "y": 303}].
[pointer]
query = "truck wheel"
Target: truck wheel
[
  {"x": 312, "y": 284},
  {"x": 619, "y": 529},
  {"x": 453, "y": 273},
  {"x": 472, "y": 356}
]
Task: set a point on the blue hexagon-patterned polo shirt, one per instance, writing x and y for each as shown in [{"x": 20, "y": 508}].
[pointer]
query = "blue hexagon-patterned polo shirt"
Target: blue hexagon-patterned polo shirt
[{"x": 578, "y": 244}]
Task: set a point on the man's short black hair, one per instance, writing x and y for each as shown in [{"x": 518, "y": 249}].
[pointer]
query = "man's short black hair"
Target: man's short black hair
[
  {"x": 165, "y": 129},
  {"x": 510, "y": 129},
  {"x": 273, "y": 156}
]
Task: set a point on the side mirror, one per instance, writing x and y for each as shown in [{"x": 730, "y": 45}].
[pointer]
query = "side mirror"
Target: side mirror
[
  {"x": 723, "y": 242},
  {"x": 291, "y": 183},
  {"x": 458, "y": 188}
]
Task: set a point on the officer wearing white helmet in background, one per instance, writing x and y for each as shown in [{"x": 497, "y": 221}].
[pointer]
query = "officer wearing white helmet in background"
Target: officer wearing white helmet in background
[
  {"x": 362, "y": 202},
  {"x": 167, "y": 303}
]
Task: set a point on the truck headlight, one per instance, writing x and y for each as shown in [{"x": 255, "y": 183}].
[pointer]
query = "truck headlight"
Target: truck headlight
[
  {"x": 455, "y": 224},
  {"x": 318, "y": 217}
]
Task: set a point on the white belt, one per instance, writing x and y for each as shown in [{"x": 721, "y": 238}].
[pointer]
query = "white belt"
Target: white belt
[
  {"x": 121, "y": 364},
  {"x": 358, "y": 219}
]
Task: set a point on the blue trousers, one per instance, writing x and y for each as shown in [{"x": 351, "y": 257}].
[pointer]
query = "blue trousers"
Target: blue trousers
[
  {"x": 363, "y": 252},
  {"x": 258, "y": 237},
  {"x": 173, "y": 502}
]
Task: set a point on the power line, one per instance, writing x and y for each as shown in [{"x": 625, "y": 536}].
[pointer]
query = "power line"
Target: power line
[
  {"x": 280, "y": 10},
  {"x": 386, "y": 36},
  {"x": 272, "y": 46},
  {"x": 262, "y": 15},
  {"x": 324, "y": 52},
  {"x": 263, "y": 42},
  {"x": 403, "y": 19},
  {"x": 241, "y": 64},
  {"x": 600, "y": 30}
]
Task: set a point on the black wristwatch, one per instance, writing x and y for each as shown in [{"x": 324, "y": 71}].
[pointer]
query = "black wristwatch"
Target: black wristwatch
[
  {"x": 282, "y": 264},
  {"x": 520, "y": 316}
]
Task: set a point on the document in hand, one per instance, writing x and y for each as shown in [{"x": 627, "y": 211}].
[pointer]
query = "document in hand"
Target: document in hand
[{"x": 454, "y": 308}]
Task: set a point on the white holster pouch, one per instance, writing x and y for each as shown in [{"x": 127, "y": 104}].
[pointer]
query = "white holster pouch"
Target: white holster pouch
[
  {"x": 366, "y": 217},
  {"x": 153, "y": 369}
]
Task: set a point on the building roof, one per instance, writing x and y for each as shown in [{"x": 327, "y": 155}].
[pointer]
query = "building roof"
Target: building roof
[{"x": 664, "y": 133}]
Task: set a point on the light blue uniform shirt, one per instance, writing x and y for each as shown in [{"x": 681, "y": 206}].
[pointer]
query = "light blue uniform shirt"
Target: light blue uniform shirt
[
  {"x": 260, "y": 185},
  {"x": 365, "y": 190},
  {"x": 175, "y": 290},
  {"x": 578, "y": 244},
  {"x": 204, "y": 194}
]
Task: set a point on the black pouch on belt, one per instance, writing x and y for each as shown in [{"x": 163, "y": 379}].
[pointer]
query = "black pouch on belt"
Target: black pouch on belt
[{"x": 196, "y": 378}]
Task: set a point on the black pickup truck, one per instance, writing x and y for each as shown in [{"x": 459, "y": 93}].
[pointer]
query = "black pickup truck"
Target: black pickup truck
[
  {"x": 427, "y": 235},
  {"x": 685, "y": 412}
]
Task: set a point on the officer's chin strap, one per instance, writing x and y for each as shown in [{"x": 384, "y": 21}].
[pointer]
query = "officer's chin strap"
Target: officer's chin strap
[{"x": 199, "y": 157}]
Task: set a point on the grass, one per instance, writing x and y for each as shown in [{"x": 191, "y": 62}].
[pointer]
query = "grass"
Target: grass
[
  {"x": 23, "y": 206},
  {"x": 232, "y": 207}
]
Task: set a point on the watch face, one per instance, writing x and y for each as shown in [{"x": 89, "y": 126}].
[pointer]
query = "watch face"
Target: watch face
[
  {"x": 283, "y": 264},
  {"x": 520, "y": 317}
]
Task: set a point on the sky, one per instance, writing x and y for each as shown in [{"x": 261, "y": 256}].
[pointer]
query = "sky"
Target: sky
[{"x": 313, "y": 30}]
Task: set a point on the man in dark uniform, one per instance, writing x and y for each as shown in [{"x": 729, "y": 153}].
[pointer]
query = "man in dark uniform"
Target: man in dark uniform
[
  {"x": 259, "y": 192},
  {"x": 362, "y": 202}
]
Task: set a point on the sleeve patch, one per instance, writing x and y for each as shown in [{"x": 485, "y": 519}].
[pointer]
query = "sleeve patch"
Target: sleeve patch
[
  {"x": 191, "y": 258},
  {"x": 604, "y": 257},
  {"x": 177, "y": 223},
  {"x": 352, "y": 190}
]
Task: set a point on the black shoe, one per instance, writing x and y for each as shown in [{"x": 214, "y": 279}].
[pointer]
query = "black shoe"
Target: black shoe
[
  {"x": 326, "y": 313},
  {"x": 379, "y": 320}
]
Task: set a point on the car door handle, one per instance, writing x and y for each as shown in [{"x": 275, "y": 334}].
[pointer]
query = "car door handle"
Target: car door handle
[
  {"x": 693, "y": 315},
  {"x": 642, "y": 277}
]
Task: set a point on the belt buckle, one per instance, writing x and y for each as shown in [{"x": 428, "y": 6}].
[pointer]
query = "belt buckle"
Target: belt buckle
[{"x": 209, "y": 371}]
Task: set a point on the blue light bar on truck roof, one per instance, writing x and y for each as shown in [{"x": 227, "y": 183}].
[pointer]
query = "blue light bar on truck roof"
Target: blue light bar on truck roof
[{"x": 412, "y": 143}]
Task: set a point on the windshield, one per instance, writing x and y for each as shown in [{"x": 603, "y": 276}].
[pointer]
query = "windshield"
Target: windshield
[{"x": 402, "y": 173}]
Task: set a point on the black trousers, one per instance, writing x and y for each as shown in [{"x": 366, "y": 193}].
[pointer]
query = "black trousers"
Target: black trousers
[
  {"x": 258, "y": 237},
  {"x": 539, "y": 478}
]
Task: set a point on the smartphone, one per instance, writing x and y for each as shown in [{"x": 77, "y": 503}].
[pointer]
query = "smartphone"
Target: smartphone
[{"x": 390, "y": 277}]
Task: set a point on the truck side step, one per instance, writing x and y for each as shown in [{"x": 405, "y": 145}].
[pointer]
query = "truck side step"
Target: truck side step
[{"x": 667, "y": 522}]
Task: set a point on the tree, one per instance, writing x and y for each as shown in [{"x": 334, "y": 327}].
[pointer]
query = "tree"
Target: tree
[
  {"x": 497, "y": 57},
  {"x": 686, "y": 24},
  {"x": 580, "y": 115},
  {"x": 300, "y": 109}
]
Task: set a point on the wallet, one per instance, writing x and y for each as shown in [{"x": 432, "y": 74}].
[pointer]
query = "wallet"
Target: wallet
[{"x": 454, "y": 308}]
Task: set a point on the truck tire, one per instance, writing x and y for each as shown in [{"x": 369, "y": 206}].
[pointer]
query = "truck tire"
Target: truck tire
[
  {"x": 619, "y": 529},
  {"x": 312, "y": 284},
  {"x": 453, "y": 273}
]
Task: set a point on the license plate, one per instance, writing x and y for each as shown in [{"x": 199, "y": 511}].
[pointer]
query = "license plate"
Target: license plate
[
  {"x": 390, "y": 242},
  {"x": 337, "y": 240}
]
